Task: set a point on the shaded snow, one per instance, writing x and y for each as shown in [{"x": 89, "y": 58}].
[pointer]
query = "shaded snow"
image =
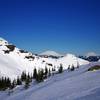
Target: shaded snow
[{"x": 76, "y": 85}]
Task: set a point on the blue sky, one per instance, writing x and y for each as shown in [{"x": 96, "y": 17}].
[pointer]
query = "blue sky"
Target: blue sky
[{"x": 61, "y": 25}]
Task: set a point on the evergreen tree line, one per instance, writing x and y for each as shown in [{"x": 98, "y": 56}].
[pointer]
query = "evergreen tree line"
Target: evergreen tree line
[
  {"x": 6, "y": 83},
  {"x": 38, "y": 75},
  {"x": 41, "y": 74}
]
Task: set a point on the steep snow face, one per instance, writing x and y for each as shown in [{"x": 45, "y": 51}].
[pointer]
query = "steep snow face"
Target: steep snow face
[
  {"x": 8, "y": 66},
  {"x": 51, "y": 53},
  {"x": 13, "y": 62}
]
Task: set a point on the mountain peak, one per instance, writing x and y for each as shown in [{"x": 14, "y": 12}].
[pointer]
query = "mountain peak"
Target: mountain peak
[
  {"x": 91, "y": 54},
  {"x": 70, "y": 55},
  {"x": 3, "y": 41},
  {"x": 50, "y": 53}
]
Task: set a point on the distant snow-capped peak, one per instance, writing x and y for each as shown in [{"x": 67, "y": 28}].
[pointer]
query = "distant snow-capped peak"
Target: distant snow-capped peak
[
  {"x": 91, "y": 54},
  {"x": 50, "y": 53},
  {"x": 70, "y": 55}
]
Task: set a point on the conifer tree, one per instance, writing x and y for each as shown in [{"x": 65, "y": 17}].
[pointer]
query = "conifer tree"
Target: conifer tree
[
  {"x": 13, "y": 85},
  {"x": 46, "y": 72},
  {"x": 72, "y": 68},
  {"x": 60, "y": 69},
  {"x": 29, "y": 77},
  {"x": 4, "y": 83},
  {"x": 27, "y": 83},
  {"x": 49, "y": 73},
  {"x": 19, "y": 82},
  {"x": 78, "y": 64},
  {"x": 40, "y": 76},
  {"x": 23, "y": 76},
  {"x": 69, "y": 67},
  {"x": 35, "y": 73},
  {"x": 8, "y": 82}
]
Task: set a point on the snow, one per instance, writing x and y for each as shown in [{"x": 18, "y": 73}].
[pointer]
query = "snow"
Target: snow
[
  {"x": 91, "y": 54},
  {"x": 3, "y": 41},
  {"x": 51, "y": 53},
  {"x": 12, "y": 64},
  {"x": 71, "y": 59},
  {"x": 77, "y": 85}
]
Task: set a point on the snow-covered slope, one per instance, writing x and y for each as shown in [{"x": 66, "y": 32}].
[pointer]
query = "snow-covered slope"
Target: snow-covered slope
[
  {"x": 13, "y": 60},
  {"x": 70, "y": 59},
  {"x": 77, "y": 85}
]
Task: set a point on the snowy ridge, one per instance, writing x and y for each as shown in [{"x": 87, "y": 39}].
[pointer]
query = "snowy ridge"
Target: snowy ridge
[
  {"x": 14, "y": 61},
  {"x": 3, "y": 41}
]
